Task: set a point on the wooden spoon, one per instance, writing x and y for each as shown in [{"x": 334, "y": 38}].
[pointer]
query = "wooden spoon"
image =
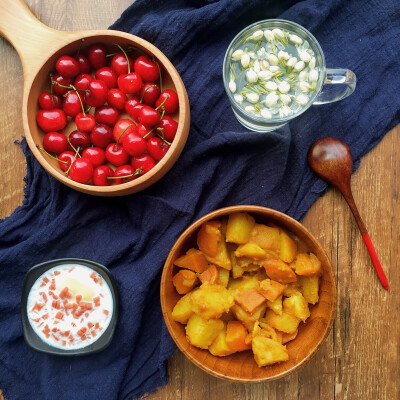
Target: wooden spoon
[{"x": 331, "y": 159}]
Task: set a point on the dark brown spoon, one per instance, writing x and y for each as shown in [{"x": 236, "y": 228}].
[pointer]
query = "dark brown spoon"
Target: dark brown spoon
[{"x": 331, "y": 159}]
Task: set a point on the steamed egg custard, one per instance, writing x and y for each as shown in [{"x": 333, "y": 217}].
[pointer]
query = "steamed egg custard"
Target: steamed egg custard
[{"x": 70, "y": 306}]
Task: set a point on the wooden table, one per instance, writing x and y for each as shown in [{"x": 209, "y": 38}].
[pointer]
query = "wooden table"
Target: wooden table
[{"x": 361, "y": 358}]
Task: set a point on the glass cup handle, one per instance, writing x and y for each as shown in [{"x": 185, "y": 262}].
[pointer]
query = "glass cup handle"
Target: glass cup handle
[{"x": 339, "y": 83}]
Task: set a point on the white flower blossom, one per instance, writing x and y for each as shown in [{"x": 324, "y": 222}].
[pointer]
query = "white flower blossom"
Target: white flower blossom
[
  {"x": 303, "y": 75},
  {"x": 257, "y": 66},
  {"x": 274, "y": 68},
  {"x": 237, "y": 55},
  {"x": 285, "y": 111},
  {"x": 271, "y": 86},
  {"x": 291, "y": 62},
  {"x": 273, "y": 59},
  {"x": 252, "y": 97},
  {"x": 266, "y": 113},
  {"x": 283, "y": 87},
  {"x": 313, "y": 75},
  {"x": 304, "y": 86},
  {"x": 302, "y": 99},
  {"x": 261, "y": 54},
  {"x": 252, "y": 55},
  {"x": 249, "y": 109},
  {"x": 311, "y": 64},
  {"x": 264, "y": 75},
  {"x": 251, "y": 76},
  {"x": 269, "y": 35},
  {"x": 304, "y": 56},
  {"x": 245, "y": 60},
  {"x": 238, "y": 98},
  {"x": 295, "y": 39},
  {"x": 232, "y": 86},
  {"x": 283, "y": 56},
  {"x": 257, "y": 35},
  {"x": 278, "y": 33},
  {"x": 299, "y": 66},
  {"x": 264, "y": 65},
  {"x": 285, "y": 99},
  {"x": 271, "y": 99}
]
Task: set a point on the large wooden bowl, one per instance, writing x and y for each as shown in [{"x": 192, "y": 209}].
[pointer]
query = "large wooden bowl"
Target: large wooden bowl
[
  {"x": 39, "y": 47},
  {"x": 241, "y": 367}
]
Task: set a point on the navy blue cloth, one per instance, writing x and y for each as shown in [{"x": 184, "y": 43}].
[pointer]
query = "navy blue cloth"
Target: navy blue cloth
[{"x": 222, "y": 164}]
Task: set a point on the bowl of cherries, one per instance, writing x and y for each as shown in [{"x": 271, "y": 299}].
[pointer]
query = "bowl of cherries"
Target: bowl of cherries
[{"x": 110, "y": 118}]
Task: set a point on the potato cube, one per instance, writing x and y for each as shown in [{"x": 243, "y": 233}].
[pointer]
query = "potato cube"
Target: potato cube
[
  {"x": 263, "y": 329},
  {"x": 308, "y": 265},
  {"x": 285, "y": 323},
  {"x": 221, "y": 257},
  {"x": 237, "y": 270},
  {"x": 266, "y": 237},
  {"x": 267, "y": 351},
  {"x": 201, "y": 332},
  {"x": 248, "y": 319},
  {"x": 287, "y": 337},
  {"x": 244, "y": 283},
  {"x": 250, "y": 299},
  {"x": 194, "y": 260},
  {"x": 296, "y": 305},
  {"x": 310, "y": 286},
  {"x": 211, "y": 301},
  {"x": 219, "y": 347},
  {"x": 239, "y": 227},
  {"x": 276, "y": 306},
  {"x": 183, "y": 309},
  {"x": 223, "y": 277},
  {"x": 270, "y": 289},
  {"x": 208, "y": 238},
  {"x": 184, "y": 281},
  {"x": 251, "y": 250},
  {"x": 292, "y": 288},
  {"x": 288, "y": 249},
  {"x": 279, "y": 271}
]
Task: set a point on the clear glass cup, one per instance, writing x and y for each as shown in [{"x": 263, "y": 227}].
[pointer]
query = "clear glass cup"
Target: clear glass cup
[{"x": 333, "y": 84}]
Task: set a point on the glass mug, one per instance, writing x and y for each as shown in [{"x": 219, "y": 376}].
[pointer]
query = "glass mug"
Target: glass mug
[{"x": 333, "y": 84}]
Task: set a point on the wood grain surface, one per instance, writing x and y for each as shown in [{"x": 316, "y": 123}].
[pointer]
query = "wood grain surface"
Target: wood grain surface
[{"x": 361, "y": 358}]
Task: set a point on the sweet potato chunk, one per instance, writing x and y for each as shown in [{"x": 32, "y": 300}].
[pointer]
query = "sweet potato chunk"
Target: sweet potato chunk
[
  {"x": 285, "y": 323},
  {"x": 184, "y": 281},
  {"x": 244, "y": 283},
  {"x": 219, "y": 347},
  {"x": 251, "y": 250},
  {"x": 250, "y": 300},
  {"x": 296, "y": 305},
  {"x": 239, "y": 227},
  {"x": 183, "y": 309},
  {"x": 209, "y": 275},
  {"x": 270, "y": 289},
  {"x": 308, "y": 265},
  {"x": 201, "y": 332},
  {"x": 211, "y": 301},
  {"x": 267, "y": 351},
  {"x": 279, "y": 271},
  {"x": 193, "y": 260},
  {"x": 288, "y": 249},
  {"x": 208, "y": 238},
  {"x": 266, "y": 237},
  {"x": 236, "y": 335}
]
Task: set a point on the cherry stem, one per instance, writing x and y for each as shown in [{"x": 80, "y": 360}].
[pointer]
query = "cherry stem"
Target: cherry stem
[
  {"x": 137, "y": 172},
  {"x": 159, "y": 71},
  {"x": 80, "y": 100},
  {"x": 126, "y": 56},
  {"x": 161, "y": 105},
  {"x": 162, "y": 136},
  {"x": 51, "y": 84},
  {"x": 70, "y": 87},
  {"x": 76, "y": 154},
  {"x": 120, "y": 136},
  {"x": 50, "y": 155},
  {"x": 148, "y": 88},
  {"x": 73, "y": 147},
  {"x": 148, "y": 133},
  {"x": 131, "y": 48}
]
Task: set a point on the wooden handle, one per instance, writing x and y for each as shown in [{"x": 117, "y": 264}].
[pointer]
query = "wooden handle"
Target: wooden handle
[{"x": 30, "y": 37}]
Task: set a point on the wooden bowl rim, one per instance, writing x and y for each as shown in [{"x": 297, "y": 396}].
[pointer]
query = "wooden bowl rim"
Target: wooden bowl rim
[{"x": 267, "y": 212}]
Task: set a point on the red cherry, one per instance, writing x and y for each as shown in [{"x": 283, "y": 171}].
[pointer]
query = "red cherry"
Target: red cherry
[
  {"x": 170, "y": 101},
  {"x": 108, "y": 76},
  {"x": 101, "y": 135},
  {"x": 144, "y": 131},
  {"x": 57, "y": 78},
  {"x": 95, "y": 155},
  {"x": 97, "y": 56},
  {"x": 149, "y": 93},
  {"x": 127, "y": 171},
  {"x": 106, "y": 115},
  {"x": 123, "y": 127},
  {"x": 134, "y": 145},
  {"x": 167, "y": 128},
  {"x": 130, "y": 107},
  {"x": 147, "y": 69},
  {"x": 81, "y": 170},
  {"x": 120, "y": 65},
  {"x": 157, "y": 148},
  {"x": 67, "y": 66},
  {"x": 51, "y": 120},
  {"x": 116, "y": 154},
  {"x": 79, "y": 139},
  {"x": 116, "y": 98},
  {"x": 85, "y": 122},
  {"x": 149, "y": 116},
  {"x": 71, "y": 104},
  {"x": 145, "y": 162},
  {"x": 130, "y": 83},
  {"x": 48, "y": 101},
  {"x": 82, "y": 81},
  {"x": 97, "y": 94},
  {"x": 55, "y": 142},
  {"x": 66, "y": 159},
  {"x": 83, "y": 62},
  {"x": 100, "y": 175}
]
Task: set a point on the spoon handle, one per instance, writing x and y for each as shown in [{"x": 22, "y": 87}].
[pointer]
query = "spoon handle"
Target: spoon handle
[{"x": 367, "y": 240}]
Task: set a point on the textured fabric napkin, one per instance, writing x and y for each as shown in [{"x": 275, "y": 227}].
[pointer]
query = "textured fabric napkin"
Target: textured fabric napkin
[{"x": 222, "y": 164}]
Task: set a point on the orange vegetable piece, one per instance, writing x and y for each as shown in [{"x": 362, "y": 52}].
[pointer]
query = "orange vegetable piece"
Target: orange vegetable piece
[
  {"x": 193, "y": 260},
  {"x": 57, "y": 273},
  {"x": 56, "y": 304},
  {"x": 79, "y": 312},
  {"x": 270, "y": 289},
  {"x": 78, "y": 298},
  {"x": 210, "y": 275},
  {"x": 208, "y": 238},
  {"x": 52, "y": 285},
  {"x": 308, "y": 265},
  {"x": 44, "y": 296},
  {"x": 82, "y": 331},
  {"x": 65, "y": 293},
  {"x": 37, "y": 306},
  {"x": 96, "y": 301},
  {"x": 236, "y": 335},
  {"x": 184, "y": 281},
  {"x": 86, "y": 305},
  {"x": 250, "y": 300},
  {"x": 94, "y": 277},
  {"x": 59, "y": 315},
  {"x": 106, "y": 312},
  {"x": 279, "y": 271},
  {"x": 90, "y": 325}
]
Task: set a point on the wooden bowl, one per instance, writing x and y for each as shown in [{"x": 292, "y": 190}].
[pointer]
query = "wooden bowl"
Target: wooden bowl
[
  {"x": 39, "y": 51},
  {"x": 241, "y": 367}
]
